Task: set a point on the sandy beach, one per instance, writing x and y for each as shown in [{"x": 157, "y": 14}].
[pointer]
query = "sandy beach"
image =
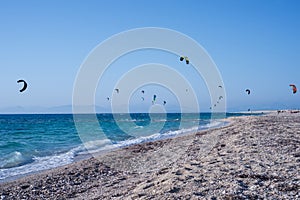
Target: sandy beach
[{"x": 254, "y": 157}]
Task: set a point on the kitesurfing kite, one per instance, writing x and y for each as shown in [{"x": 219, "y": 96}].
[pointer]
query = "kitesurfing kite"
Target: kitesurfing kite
[
  {"x": 187, "y": 61},
  {"x": 107, "y": 98},
  {"x": 294, "y": 88},
  {"x": 154, "y": 99},
  {"x": 248, "y": 91},
  {"x": 24, "y": 86},
  {"x": 117, "y": 90},
  {"x": 143, "y": 93},
  {"x": 165, "y": 102},
  {"x": 220, "y": 86}
]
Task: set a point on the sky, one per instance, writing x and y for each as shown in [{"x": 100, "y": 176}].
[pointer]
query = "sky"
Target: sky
[{"x": 255, "y": 44}]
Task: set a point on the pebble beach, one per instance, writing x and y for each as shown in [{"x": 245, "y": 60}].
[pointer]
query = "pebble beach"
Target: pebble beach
[{"x": 253, "y": 157}]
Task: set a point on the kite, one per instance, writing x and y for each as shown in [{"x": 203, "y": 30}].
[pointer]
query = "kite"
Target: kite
[
  {"x": 117, "y": 90},
  {"x": 165, "y": 102},
  {"x": 143, "y": 93},
  {"x": 24, "y": 86},
  {"x": 294, "y": 88},
  {"x": 248, "y": 91},
  {"x": 187, "y": 61},
  {"x": 154, "y": 99}
]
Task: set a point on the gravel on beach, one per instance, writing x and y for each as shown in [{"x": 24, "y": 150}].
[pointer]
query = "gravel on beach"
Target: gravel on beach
[{"x": 254, "y": 157}]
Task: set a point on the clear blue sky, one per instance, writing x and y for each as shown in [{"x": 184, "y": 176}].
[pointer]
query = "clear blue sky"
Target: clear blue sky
[{"x": 255, "y": 44}]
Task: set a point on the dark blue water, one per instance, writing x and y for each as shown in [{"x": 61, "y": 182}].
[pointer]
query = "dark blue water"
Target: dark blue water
[{"x": 33, "y": 142}]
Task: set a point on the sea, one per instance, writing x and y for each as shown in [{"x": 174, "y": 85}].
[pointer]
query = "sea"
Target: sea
[{"x": 30, "y": 143}]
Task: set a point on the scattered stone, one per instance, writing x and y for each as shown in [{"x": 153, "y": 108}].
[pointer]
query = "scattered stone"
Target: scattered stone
[
  {"x": 23, "y": 187},
  {"x": 174, "y": 190},
  {"x": 178, "y": 172},
  {"x": 148, "y": 186}
]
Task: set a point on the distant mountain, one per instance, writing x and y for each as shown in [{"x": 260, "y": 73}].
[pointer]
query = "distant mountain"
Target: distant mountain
[
  {"x": 64, "y": 109},
  {"x": 67, "y": 109},
  {"x": 22, "y": 110}
]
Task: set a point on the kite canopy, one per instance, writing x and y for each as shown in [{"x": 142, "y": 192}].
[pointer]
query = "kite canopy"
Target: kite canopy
[
  {"x": 24, "y": 86},
  {"x": 248, "y": 91},
  {"x": 187, "y": 61},
  {"x": 294, "y": 88},
  {"x": 154, "y": 99}
]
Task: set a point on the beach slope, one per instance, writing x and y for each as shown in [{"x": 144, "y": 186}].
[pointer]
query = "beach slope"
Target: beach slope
[{"x": 254, "y": 157}]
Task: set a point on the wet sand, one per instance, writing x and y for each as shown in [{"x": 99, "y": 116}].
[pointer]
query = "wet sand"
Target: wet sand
[{"x": 251, "y": 158}]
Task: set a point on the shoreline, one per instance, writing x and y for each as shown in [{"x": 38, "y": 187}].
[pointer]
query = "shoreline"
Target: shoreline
[
  {"x": 87, "y": 155},
  {"x": 251, "y": 157}
]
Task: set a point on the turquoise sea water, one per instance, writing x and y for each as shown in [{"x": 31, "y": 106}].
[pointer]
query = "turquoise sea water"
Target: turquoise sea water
[{"x": 34, "y": 142}]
